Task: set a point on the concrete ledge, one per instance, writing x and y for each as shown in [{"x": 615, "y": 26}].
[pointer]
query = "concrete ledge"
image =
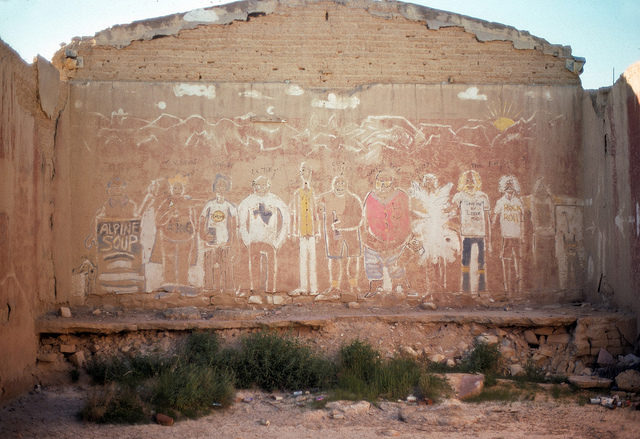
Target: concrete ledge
[{"x": 315, "y": 317}]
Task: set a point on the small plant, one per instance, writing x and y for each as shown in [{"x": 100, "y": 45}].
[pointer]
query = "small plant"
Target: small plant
[
  {"x": 115, "y": 404},
  {"x": 483, "y": 358},
  {"x": 128, "y": 370},
  {"x": 363, "y": 375},
  {"x": 273, "y": 362},
  {"x": 202, "y": 348},
  {"x": 433, "y": 387},
  {"x": 192, "y": 390}
]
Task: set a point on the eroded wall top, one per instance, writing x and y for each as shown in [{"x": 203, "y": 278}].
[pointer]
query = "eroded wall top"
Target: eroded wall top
[{"x": 319, "y": 43}]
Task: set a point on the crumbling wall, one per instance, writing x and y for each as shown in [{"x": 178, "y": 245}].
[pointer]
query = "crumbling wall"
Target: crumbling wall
[
  {"x": 26, "y": 269},
  {"x": 321, "y": 44},
  {"x": 612, "y": 186}
]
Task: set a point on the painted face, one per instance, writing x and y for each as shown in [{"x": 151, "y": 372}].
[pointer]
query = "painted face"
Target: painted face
[
  {"x": 340, "y": 186},
  {"x": 218, "y": 216},
  {"x": 222, "y": 187},
  {"x": 384, "y": 183},
  {"x": 305, "y": 173},
  {"x": 261, "y": 186},
  {"x": 177, "y": 188}
]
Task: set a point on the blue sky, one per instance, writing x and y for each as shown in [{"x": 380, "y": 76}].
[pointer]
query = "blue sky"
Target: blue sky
[{"x": 605, "y": 32}]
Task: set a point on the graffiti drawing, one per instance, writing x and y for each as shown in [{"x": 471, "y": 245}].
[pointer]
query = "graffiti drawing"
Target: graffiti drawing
[
  {"x": 217, "y": 230},
  {"x": 264, "y": 223},
  {"x": 509, "y": 211},
  {"x": 542, "y": 207},
  {"x": 176, "y": 224},
  {"x": 341, "y": 212},
  {"x": 569, "y": 247},
  {"x": 117, "y": 236},
  {"x": 387, "y": 229},
  {"x": 473, "y": 205},
  {"x": 439, "y": 243},
  {"x": 157, "y": 191},
  {"x": 305, "y": 228}
]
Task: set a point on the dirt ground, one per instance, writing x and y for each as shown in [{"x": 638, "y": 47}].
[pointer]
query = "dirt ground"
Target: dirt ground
[{"x": 52, "y": 413}]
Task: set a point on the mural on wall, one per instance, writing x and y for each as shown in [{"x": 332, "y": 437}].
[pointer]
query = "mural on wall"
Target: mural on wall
[
  {"x": 509, "y": 214},
  {"x": 217, "y": 231},
  {"x": 117, "y": 241},
  {"x": 356, "y": 206},
  {"x": 306, "y": 230},
  {"x": 433, "y": 227},
  {"x": 264, "y": 225},
  {"x": 386, "y": 232},
  {"x": 341, "y": 212},
  {"x": 475, "y": 230}
]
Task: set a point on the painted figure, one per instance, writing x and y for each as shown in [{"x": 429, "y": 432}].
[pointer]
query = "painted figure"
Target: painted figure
[
  {"x": 439, "y": 242},
  {"x": 542, "y": 205},
  {"x": 176, "y": 221},
  {"x": 305, "y": 228},
  {"x": 473, "y": 205},
  {"x": 264, "y": 223},
  {"x": 217, "y": 232},
  {"x": 387, "y": 230},
  {"x": 341, "y": 212},
  {"x": 157, "y": 191},
  {"x": 509, "y": 211}
]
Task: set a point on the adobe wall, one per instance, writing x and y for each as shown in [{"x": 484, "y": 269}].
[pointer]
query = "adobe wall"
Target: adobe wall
[
  {"x": 332, "y": 44},
  {"x": 612, "y": 214},
  {"x": 26, "y": 268}
]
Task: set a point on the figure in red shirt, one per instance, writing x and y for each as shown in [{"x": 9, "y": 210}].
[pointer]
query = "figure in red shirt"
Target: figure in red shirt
[{"x": 386, "y": 231}]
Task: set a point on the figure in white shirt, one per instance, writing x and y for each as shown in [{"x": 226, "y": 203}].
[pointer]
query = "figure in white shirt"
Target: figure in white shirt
[
  {"x": 264, "y": 223},
  {"x": 510, "y": 212},
  {"x": 217, "y": 232}
]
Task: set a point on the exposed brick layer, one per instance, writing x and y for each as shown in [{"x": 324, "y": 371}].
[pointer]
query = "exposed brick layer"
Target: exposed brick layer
[{"x": 320, "y": 45}]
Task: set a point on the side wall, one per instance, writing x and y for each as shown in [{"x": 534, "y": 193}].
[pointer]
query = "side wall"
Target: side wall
[
  {"x": 612, "y": 192},
  {"x": 26, "y": 270}
]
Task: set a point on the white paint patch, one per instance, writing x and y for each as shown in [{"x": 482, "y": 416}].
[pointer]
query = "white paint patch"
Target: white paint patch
[
  {"x": 202, "y": 16},
  {"x": 590, "y": 268},
  {"x": 547, "y": 95},
  {"x": 530, "y": 94},
  {"x": 471, "y": 94},
  {"x": 184, "y": 89},
  {"x": 161, "y": 105},
  {"x": 271, "y": 110},
  {"x": 78, "y": 103},
  {"x": 294, "y": 90},
  {"x": 253, "y": 94},
  {"x": 119, "y": 113},
  {"x": 620, "y": 222},
  {"x": 334, "y": 102}
]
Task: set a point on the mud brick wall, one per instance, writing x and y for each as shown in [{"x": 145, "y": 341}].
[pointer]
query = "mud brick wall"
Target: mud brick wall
[
  {"x": 26, "y": 267},
  {"x": 322, "y": 44}
]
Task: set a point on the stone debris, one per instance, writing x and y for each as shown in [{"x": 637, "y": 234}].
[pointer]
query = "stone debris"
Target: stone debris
[
  {"x": 78, "y": 359},
  {"x": 265, "y": 422},
  {"x": 185, "y": 313},
  {"x": 465, "y": 385},
  {"x": 165, "y": 420},
  {"x": 605, "y": 358},
  {"x": 629, "y": 381},
  {"x": 65, "y": 312},
  {"x": 428, "y": 306},
  {"x": 590, "y": 382},
  {"x": 67, "y": 348},
  {"x": 347, "y": 408}
]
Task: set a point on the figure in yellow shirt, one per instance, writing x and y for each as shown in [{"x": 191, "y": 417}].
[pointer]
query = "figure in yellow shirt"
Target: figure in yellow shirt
[{"x": 305, "y": 227}]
